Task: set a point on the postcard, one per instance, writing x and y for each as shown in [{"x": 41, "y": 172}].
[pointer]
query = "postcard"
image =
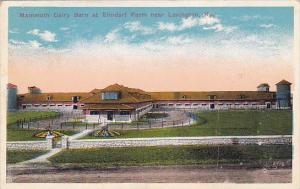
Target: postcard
[{"x": 150, "y": 94}]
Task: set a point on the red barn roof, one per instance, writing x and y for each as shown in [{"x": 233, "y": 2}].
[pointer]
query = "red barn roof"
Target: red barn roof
[
  {"x": 283, "y": 82},
  {"x": 10, "y": 86}
]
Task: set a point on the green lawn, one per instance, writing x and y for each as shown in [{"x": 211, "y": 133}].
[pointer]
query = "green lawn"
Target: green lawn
[
  {"x": 171, "y": 155},
  {"x": 22, "y": 155},
  {"x": 225, "y": 123},
  {"x": 28, "y": 135},
  {"x": 13, "y": 117}
]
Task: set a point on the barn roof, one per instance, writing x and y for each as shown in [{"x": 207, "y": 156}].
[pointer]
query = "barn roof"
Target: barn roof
[
  {"x": 128, "y": 95},
  {"x": 263, "y": 85},
  {"x": 10, "y": 86},
  {"x": 54, "y": 97},
  {"x": 283, "y": 82},
  {"x": 219, "y": 95}
]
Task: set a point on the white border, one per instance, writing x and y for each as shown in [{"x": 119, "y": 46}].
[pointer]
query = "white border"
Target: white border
[{"x": 262, "y": 3}]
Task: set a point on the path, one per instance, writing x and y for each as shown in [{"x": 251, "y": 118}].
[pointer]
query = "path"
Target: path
[
  {"x": 44, "y": 158},
  {"x": 157, "y": 174}
]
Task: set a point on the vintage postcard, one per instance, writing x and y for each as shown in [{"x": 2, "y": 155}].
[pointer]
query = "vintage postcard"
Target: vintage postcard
[{"x": 188, "y": 94}]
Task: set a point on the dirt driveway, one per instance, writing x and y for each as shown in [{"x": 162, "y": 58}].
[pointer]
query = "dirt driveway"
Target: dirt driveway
[{"x": 170, "y": 174}]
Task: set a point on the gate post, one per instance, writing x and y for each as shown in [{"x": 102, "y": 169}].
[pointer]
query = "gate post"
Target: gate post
[
  {"x": 65, "y": 142},
  {"x": 50, "y": 142}
]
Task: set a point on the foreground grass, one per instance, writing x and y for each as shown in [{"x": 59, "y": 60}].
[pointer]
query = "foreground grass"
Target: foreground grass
[
  {"x": 224, "y": 123},
  {"x": 28, "y": 135},
  {"x": 17, "y": 156},
  {"x": 172, "y": 155},
  {"x": 13, "y": 117}
]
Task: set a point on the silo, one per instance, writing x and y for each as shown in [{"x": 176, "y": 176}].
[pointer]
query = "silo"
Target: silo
[
  {"x": 11, "y": 97},
  {"x": 283, "y": 94}
]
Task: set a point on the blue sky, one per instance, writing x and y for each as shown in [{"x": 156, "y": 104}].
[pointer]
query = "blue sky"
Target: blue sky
[{"x": 56, "y": 32}]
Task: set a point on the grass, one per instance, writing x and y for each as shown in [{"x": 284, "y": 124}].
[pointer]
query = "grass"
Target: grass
[
  {"x": 171, "y": 155},
  {"x": 28, "y": 135},
  {"x": 13, "y": 117},
  {"x": 155, "y": 115},
  {"x": 22, "y": 155},
  {"x": 224, "y": 123}
]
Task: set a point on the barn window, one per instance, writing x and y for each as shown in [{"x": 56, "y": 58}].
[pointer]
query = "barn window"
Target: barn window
[
  {"x": 212, "y": 97},
  {"x": 183, "y": 96},
  {"x": 49, "y": 98},
  {"x": 94, "y": 112},
  {"x": 75, "y": 99},
  {"x": 110, "y": 95}
]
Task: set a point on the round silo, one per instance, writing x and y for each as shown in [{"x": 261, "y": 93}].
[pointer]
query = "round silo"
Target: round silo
[{"x": 283, "y": 94}]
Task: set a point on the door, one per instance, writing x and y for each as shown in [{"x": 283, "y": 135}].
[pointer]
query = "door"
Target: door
[
  {"x": 212, "y": 106},
  {"x": 110, "y": 115}
]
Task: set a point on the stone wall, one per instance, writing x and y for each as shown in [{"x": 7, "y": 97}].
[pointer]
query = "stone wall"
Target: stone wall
[
  {"x": 98, "y": 143},
  {"x": 30, "y": 145}
]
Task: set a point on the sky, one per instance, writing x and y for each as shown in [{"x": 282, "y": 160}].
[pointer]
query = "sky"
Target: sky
[{"x": 155, "y": 49}]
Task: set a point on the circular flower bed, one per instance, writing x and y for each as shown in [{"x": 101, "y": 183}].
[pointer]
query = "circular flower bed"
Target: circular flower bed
[
  {"x": 44, "y": 134},
  {"x": 105, "y": 133}
]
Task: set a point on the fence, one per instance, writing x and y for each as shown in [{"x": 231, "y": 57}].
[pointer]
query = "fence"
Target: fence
[{"x": 154, "y": 123}]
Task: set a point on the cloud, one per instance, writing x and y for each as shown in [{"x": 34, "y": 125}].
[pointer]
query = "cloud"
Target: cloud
[
  {"x": 31, "y": 44},
  {"x": 13, "y": 31},
  {"x": 206, "y": 21},
  {"x": 64, "y": 28},
  {"x": 220, "y": 27},
  {"x": 267, "y": 25},
  {"x": 253, "y": 17},
  {"x": 44, "y": 35},
  {"x": 112, "y": 36},
  {"x": 136, "y": 26},
  {"x": 179, "y": 40},
  {"x": 167, "y": 26}
]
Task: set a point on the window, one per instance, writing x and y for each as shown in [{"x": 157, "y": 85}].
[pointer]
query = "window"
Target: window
[
  {"x": 94, "y": 113},
  {"x": 178, "y": 104},
  {"x": 48, "y": 98},
  {"x": 67, "y": 104},
  {"x": 52, "y": 105},
  {"x": 183, "y": 96},
  {"x": 171, "y": 104},
  {"x": 124, "y": 112},
  {"x": 82, "y": 105},
  {"x": 195, "y": 104},
  {"x": 110, "y": 96},
  {"x": 203, "y": 104},
  {"x": 242, "y": 96},
  {"x": 59, "y": 105},
  {"x": 212, "y": 97},
  {"x": 44, "y": 105},
  {"x": 36, "y": 105},
  {"x": 237, "y": 104},
  {"x": 75, "y": 98},
  {"x": 220, "y": 104},
  {"x": 187, "y": 104}
]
